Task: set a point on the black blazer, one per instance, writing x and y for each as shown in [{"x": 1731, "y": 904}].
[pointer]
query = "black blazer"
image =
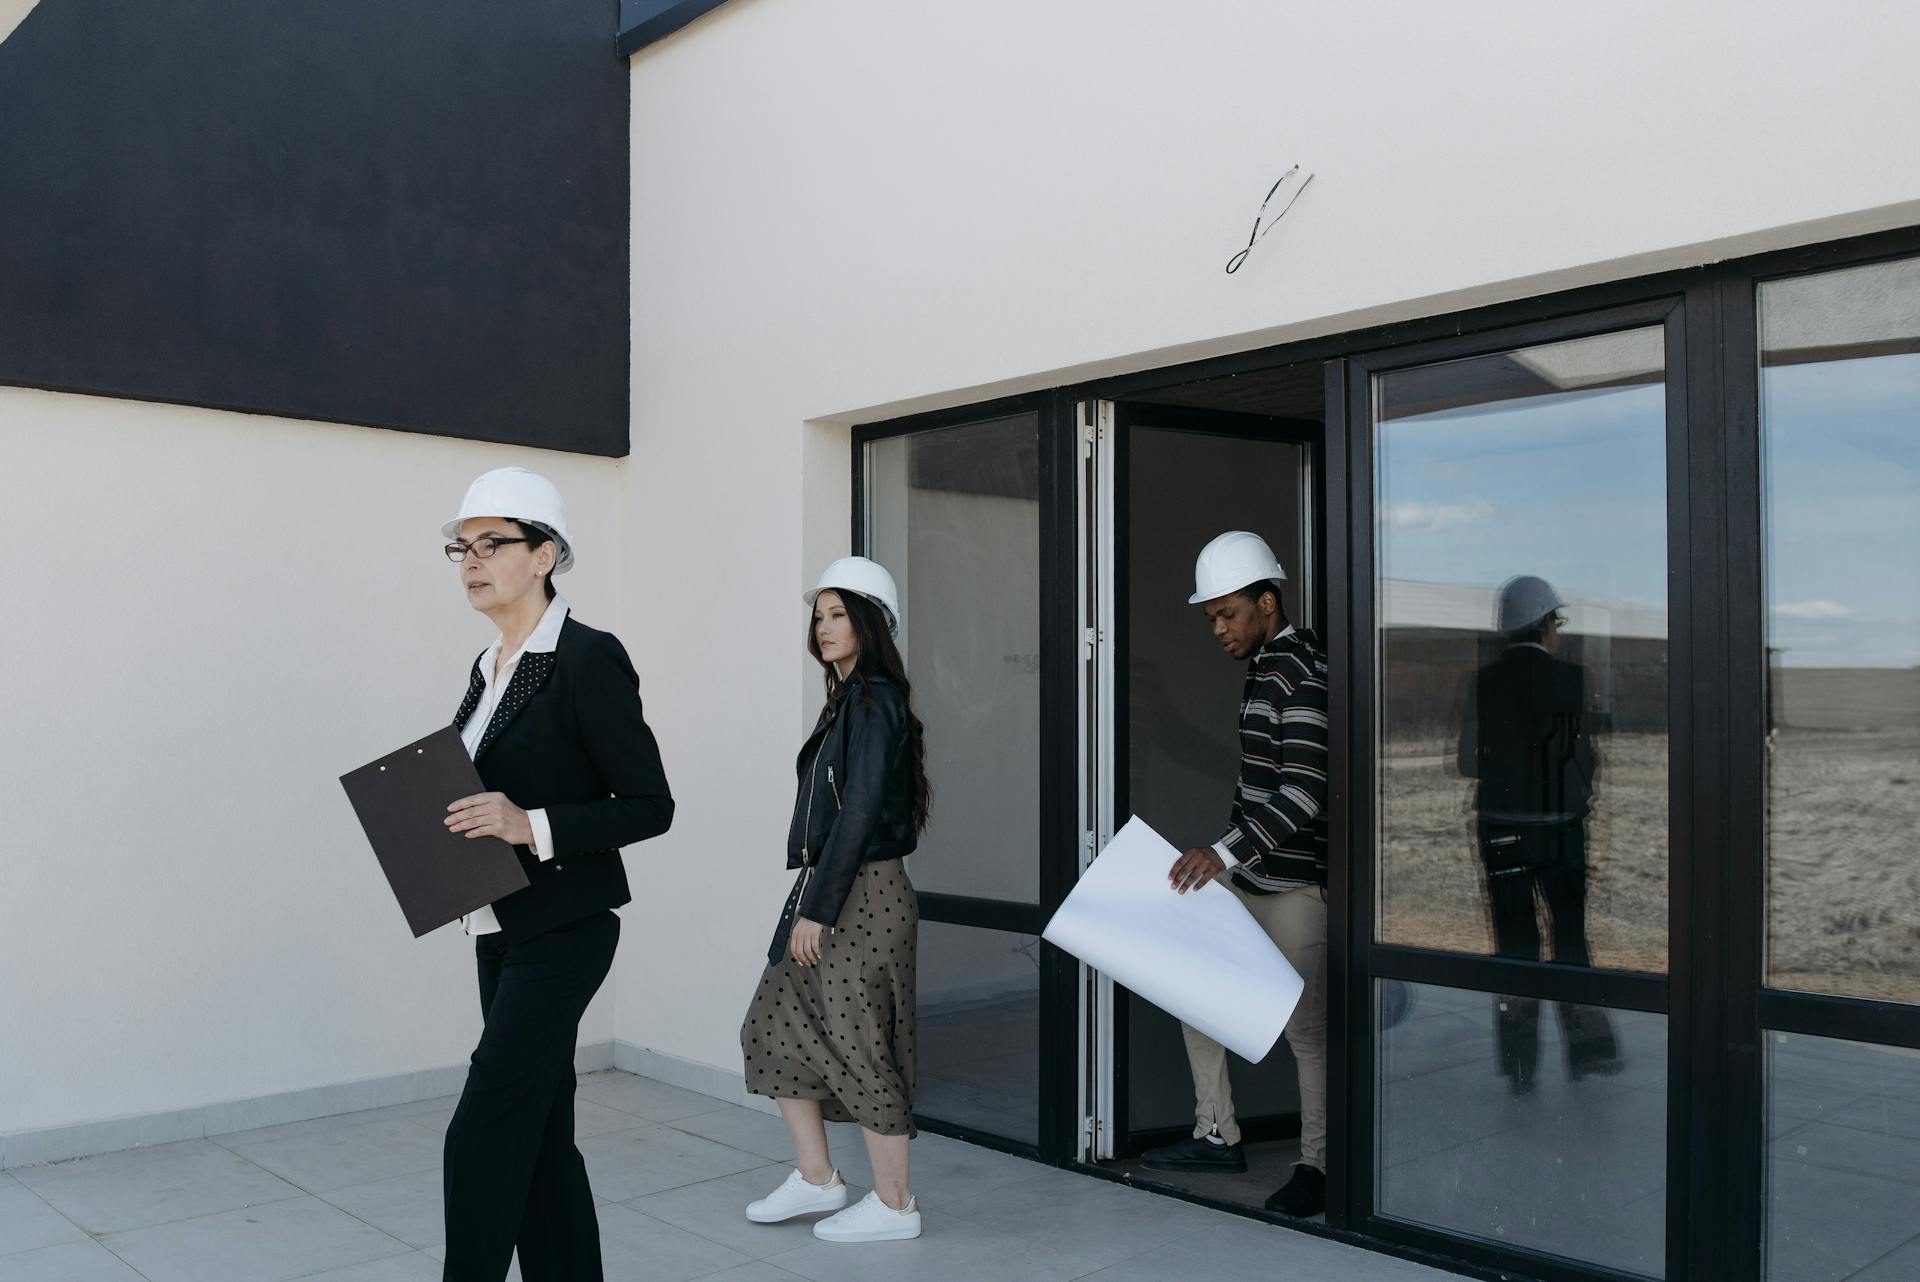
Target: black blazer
[
  {"x": 1523, "y": 737},
  {"x": 567, "y": 736}
]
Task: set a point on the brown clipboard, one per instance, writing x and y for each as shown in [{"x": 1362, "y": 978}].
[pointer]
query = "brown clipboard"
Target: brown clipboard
[{"x": 437, "y": 875}]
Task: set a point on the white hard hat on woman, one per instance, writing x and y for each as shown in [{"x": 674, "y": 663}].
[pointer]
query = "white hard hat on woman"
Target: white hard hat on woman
[
  {"x": 518, "y": 495},
  {"x": 868, "y": 578},
  {"x": 1232, "y": 561}
]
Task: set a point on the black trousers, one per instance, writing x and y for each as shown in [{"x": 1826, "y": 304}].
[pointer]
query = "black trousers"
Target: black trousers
[
  {"x": 513, "y": 1176},
  {"x": 1549, "y": 860}
]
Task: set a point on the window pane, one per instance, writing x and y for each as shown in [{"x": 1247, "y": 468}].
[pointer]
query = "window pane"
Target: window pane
[
  {"x": 979, "y": 1061},
  {"x": 1542, "y": 1160},
  {"x": 1843, "y": 1176},
  {"x": 955, "y": 515},
  {"x": 1522, "y": 616},
  {"x": 1840, "y": 430}
]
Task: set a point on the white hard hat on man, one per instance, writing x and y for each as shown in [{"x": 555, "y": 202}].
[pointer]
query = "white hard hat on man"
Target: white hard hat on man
[
  {"x": 526, "y": 498},
  {"x": 867, "y": 578},
  {"x": 1234, "y": 560}
]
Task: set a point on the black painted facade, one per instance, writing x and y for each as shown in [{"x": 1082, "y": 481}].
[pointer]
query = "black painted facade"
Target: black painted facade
[{"x": 384, "y": 212}]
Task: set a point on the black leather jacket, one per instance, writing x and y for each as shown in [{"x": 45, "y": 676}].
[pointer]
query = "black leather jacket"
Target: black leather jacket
[{"x": 854, "y": 805}]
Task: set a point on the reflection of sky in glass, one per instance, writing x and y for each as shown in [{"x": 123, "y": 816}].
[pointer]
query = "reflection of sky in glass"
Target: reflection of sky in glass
[
  {"x": 1570, "y": 487},
  {"x": 1842, "y": 465}
]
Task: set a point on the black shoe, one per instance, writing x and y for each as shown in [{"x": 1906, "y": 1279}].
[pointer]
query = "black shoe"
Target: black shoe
[
  {"x": 1193, "y": 1154},
  {"x": 1302, "y": 1196},
  {"x": 1595, "y": 1066}
]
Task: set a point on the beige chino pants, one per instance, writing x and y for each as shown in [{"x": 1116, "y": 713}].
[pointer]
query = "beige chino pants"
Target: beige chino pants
[{"x": 1296, "y": 921}]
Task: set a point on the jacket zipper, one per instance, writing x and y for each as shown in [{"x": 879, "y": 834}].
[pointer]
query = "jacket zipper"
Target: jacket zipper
[
  {"x": 806, "y": 833},
  {"x": 836, "y": 789}
]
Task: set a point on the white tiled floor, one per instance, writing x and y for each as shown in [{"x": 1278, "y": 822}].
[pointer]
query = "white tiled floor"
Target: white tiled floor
[{"x": 356, "y": 1198}]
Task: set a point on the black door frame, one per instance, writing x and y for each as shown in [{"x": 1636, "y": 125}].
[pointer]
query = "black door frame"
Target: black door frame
[
  {"x": 1129, "y": 414},
  {"x": 1368, "y": 958},
  {"x": 1058, "y": 782},
  {"x": 1713, "y": 994}
]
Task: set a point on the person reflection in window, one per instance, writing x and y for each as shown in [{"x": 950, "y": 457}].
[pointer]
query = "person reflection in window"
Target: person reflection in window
[{"x": 1523, "y": 739}]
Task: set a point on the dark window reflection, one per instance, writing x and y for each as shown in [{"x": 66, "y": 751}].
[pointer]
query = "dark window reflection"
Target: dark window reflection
[
  {"x": 1526, "y": 739},
  {"x": 955, "y": 515},
  {"x": 979, "y": 1063},
  {"x": 1843, "y": 1171},
  {"x": 1575, "y": 1168}
]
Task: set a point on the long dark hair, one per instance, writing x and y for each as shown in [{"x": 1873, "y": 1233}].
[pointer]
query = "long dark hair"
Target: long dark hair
[{"x": 879, "y": 654}]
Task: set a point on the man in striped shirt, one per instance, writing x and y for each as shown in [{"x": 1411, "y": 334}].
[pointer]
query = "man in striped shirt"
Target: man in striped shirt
[{"x": 1273, "y": 855}]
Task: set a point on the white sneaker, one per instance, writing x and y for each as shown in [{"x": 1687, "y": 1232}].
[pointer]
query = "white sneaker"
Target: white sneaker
[
  {"x": 871, "y": 1220},
  {"x": 798, "y": 1197}
]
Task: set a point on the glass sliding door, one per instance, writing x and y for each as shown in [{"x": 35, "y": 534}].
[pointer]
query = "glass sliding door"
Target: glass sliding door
[
  {"x": 955, "y": 514},
  {"x": 1520, "y": 711},
  {"x": 1839, "y": 385}
]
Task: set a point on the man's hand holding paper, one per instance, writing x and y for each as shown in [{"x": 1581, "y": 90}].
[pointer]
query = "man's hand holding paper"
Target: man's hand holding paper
[{"x": 1197, "y": 954}]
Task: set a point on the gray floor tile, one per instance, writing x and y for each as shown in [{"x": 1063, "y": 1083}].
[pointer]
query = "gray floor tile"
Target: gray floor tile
[
  {"x": 1241, "y": 1251},
  {"x": 590, "y": 1118},
  {"x": 716, "y": 1210},
  {"x": 1081, "y": 1223},
  {"x": 1845, "y": 1148},
  {"x": 1902, "y": 1264},
  {"x": 629, "y": 1164},
  {"x": 414, "y": 1266},
  {"x": 69, "y": 1262},
  {"x": 409, "y": 1207},
  {"x": 434, "y": 1113},
  {"x": 354, "y": 1155},
  {"x": 946, "y": 1170},
  {"x": 645, "y": 1098},
  {"x": 27, "y": 1223},
  {"x": 1882, "y": 1114},
  {"x": 757, "y": 1271},
  {"x": 947, "y": 1249},
  {"x": 332, "y": 1124},
  {"x": 638, "y": 1246},
  {"x": 261, "y": 1244},
  {"x": 749, "y": 1130},
  {"x": 1824, "y": 1225},
  {"x": 7, "y": 1180},
  {"x": 141, "y": 1187}
]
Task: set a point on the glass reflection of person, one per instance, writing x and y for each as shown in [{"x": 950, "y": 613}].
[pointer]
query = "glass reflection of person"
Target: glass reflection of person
[{"x": 1525, "y": 739}]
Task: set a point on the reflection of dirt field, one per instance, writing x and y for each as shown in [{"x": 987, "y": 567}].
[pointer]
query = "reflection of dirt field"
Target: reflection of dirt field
[
  {"x": 1433, "y": 893},
  {"x": 1843, "y": 911},
  {"x": 1844, "y": 883}
]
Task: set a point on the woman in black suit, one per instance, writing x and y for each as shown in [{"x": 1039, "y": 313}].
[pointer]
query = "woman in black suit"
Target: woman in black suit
[{"x": 552, "y": 718}]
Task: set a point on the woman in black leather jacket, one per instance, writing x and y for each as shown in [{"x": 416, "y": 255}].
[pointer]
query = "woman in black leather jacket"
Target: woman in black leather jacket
[{"x": 830, "y": 1032}]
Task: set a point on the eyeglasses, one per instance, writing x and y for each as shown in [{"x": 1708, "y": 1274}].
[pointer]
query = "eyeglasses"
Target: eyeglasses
[
  {"x": 482, "y": 548},
  {"x": 1234, "y": 263}
]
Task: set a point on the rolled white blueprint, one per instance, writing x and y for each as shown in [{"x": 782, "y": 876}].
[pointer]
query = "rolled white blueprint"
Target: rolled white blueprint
[{"x": 1200, "y": 957}]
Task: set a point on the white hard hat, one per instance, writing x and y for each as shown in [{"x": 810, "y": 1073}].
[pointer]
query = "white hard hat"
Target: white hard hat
[
  {"x": 1231, "y": 562},
  {"x": 1524, "y": 601},
  {"x": 527, "y": 498},
  {"x": 868, "y": 578}
]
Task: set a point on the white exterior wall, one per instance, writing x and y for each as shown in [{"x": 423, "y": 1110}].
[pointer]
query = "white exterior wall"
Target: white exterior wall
[
  {"x": 843, "y": 210},
  {"x": 210, "y": 618},
  {"x": 850, "y": 209}
]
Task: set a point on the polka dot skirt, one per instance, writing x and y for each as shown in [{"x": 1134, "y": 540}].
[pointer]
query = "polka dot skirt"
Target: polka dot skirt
[{"x": 842, "y": 1032}]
